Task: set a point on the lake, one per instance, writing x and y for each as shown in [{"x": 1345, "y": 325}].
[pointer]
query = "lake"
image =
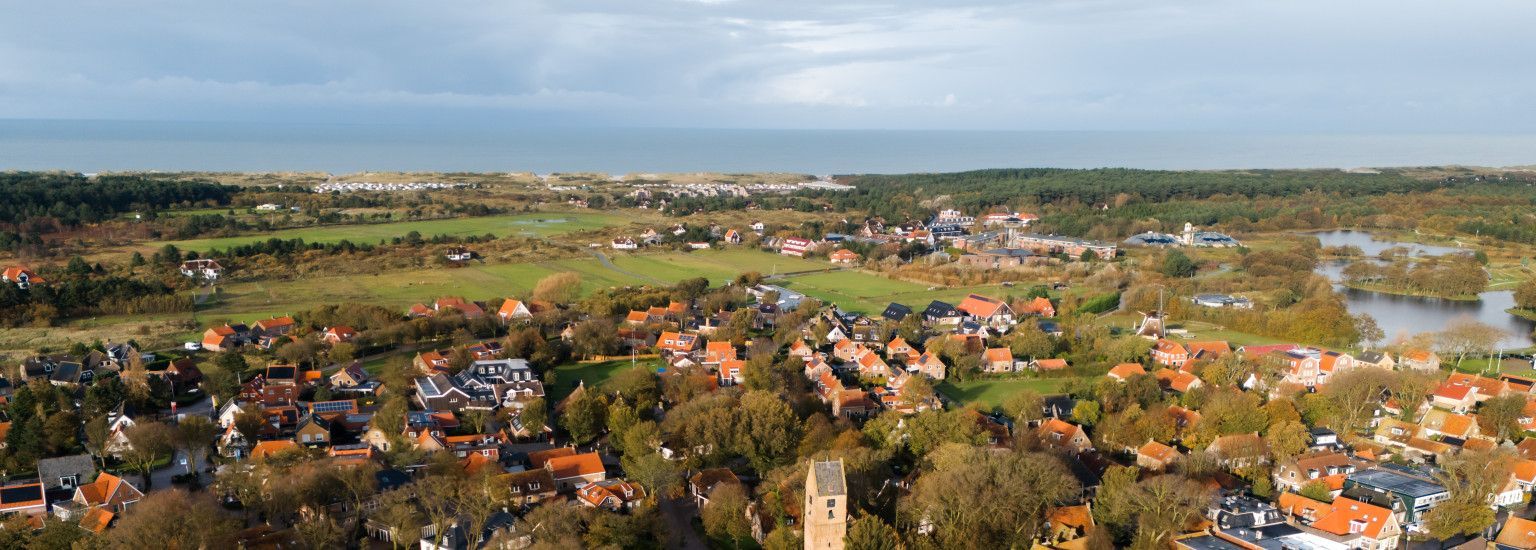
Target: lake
[{"x": 1406, "y": 315}]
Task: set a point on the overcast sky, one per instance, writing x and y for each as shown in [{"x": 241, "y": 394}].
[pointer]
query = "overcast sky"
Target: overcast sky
[{"x": 1277, "y": 65}]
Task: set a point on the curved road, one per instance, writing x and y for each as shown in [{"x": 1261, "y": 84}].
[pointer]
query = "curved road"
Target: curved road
[{"x": 603, "y": 259}]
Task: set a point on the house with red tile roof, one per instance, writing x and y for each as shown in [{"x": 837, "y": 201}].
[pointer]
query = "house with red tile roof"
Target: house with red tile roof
[
  {"x": 275, "y": 326},
  {"x": 266, "y": 449},
  {"x": 898, "y": 348},
  {"x": 1156, "y": 456},
  {"x": 21, "y": 276},
  {"x": 677, "y": 343},
  {"x": 717, "y": 352},
  {"x": 732, "y": 372},
  {"x": 612, "y": 495},
  {"x": 800, "y": 349},
  {"x": 1170, "y": 353},
  {"x": 1442, "y": 423},
  {"x": 1420, "y": 359},
  {"x": 1360, "y": 525},
  {"x": 1177, "y": 380},
  {"x": 109, "y": 492},
  {"x": 1062, "y": 435},
  {"x": 1456, "y": 395},
  {"x": 222, "y": 338},
  {"x": 512, "y": 310},
  {"x": 1124, "y": 371},
  {"x": 986, "y": 310},
  {"x": 1040, "y": 307},
  {"x": 844, "y": 256},
  {"x": 928, "y": 364},
  {"x": 996, "y": 360},
  {"x": 1517, "y": 532},
  {"x": 575, "y": 470},
  {"x": 339, "y": 334},
  {"x": 430, "y": 362},
  {"x": 1049, "y": 364},
  {"x": 852, "y": 404},
  {"x": 1207, "y": 350},
  {"x": 26, "y": 499}
]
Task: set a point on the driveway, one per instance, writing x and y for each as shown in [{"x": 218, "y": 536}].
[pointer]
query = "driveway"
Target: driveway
[{"x": 679, "y": 514}]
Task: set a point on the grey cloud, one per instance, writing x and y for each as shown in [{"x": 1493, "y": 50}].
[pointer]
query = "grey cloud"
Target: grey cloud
[{"x": 1308, "y": 65}]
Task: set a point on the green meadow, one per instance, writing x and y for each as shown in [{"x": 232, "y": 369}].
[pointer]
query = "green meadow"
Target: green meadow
[
  {"x": 988, "y": 393},
  {"x": 531, "y": 225}
]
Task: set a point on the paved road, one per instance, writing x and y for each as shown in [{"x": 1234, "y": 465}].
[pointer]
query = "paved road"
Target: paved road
[
  {"x": 603, "y": 259},
  {"x": 678, "y": 513}
]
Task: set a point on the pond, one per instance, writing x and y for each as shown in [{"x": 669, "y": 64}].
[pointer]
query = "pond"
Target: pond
[{"x": 1408, "y": 315}]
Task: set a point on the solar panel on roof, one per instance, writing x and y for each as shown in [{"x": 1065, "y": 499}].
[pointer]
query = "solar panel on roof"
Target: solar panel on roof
[
  {"x": 331, "y": 406},
  {"x": 21, "y": 494}
]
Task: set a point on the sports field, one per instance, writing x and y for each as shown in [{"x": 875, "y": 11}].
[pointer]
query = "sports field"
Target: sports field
[{"x": 531, "y": 225}]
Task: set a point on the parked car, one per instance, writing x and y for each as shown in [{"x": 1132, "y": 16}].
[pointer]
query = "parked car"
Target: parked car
[{"x": 192, "y": 346}]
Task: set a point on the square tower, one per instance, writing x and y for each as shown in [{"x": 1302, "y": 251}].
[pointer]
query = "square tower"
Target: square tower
[{"x": 826, "y": 506}]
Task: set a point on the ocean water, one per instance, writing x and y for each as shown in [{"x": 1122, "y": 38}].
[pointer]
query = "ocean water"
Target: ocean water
[{"x": 92, "y": 146}]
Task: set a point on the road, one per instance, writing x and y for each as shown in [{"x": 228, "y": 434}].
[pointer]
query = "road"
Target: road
[
  {"x": 603, "y": 259},
  {"x": 679, "y": 514}
]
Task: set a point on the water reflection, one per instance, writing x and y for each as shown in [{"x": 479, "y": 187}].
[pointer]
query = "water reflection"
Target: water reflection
[{"x": 1408, "y": 315}]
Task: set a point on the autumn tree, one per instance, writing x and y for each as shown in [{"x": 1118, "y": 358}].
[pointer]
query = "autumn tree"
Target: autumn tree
[
  {"x": 199, "y": 523},
  {"x": 595, "y": 337},
  {"x": 148, "y": 442},
  {"x": 725, "y": 514},
  {"x": 769, "y": 430},
  {"x": 987, "y": 499},
  {"x": 1024, "y": 406},
  {"x": 1410, "y": 388},
  {"x": 1355, "y": 395},
  {"x": 583, "y": 416},
  {"x": 1471, "y": 477},
  {"x": 871, "y": 533},
  {"x": 194, "y": 434},
  {"x": 1500, "y": 416}
]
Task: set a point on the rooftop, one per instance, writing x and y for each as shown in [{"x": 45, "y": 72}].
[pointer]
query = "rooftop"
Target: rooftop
[{"x": 829, "y": 478}]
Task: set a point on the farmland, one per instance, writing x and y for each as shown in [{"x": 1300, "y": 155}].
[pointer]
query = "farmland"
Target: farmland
[{"x": 531, "y": 225}]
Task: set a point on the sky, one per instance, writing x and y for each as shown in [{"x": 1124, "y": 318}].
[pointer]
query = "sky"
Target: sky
[{"x": 1172, "y": 65}]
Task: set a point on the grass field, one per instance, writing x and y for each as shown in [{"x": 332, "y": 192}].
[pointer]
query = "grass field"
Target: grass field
[
  {"x": 989, "y": 393},
  {"x": 853, "y": 290},
  {"x": 567, "y": 377},
  {"x": 532, "y": 225}
]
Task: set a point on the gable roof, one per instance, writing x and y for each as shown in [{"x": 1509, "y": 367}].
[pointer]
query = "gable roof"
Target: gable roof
[
  {"x": 1517, "y": 532},
  {"x": 575, "y": 465},
  {"x": 998, "y": 355},
  {"x": 1051, "y": 364},
  {"x": 1345, "y": 513},
  {"x": 265, "y": 449},
  {"x": 108, "y": 490},
  {"x": 1125, "y": 371},
  {"x": 977, "y": 305},
  {"x": 1159, "y": 452}
]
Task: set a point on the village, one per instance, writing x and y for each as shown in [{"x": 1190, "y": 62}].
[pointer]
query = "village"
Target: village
[{"x": 1277, "y": 446}]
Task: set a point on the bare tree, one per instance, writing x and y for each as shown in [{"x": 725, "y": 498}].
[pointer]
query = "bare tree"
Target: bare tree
[
  {"x": 1465, "y": 335},
  {"x": 147, "y": 443}
]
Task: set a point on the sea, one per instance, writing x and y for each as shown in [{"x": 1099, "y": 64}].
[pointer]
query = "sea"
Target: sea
[{"x": 97, "y": 146}]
